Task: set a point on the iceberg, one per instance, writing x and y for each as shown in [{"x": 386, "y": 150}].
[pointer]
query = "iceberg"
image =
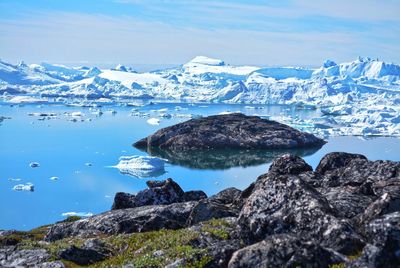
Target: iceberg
[
  {"x": 79, "y": 214},
  {"x": 24, "y": 187},
  {"x": 153, "y": 121},
  {"x": 141, "y": 166},
  {"x": 364, "y": 85}
]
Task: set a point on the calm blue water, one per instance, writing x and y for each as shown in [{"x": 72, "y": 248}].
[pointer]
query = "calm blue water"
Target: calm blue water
[{"x": 62, "y": 148}]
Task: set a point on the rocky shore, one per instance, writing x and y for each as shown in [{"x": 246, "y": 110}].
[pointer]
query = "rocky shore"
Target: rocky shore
[{"x": 345, "y": 213}]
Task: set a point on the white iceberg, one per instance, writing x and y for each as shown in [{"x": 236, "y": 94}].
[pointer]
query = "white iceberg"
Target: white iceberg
[
  {"x": 141, "y": 166},
  {"x": 79, "y": 214},
  {"x": 24, "y": 187},
  {"x": 153, "y": 121}
]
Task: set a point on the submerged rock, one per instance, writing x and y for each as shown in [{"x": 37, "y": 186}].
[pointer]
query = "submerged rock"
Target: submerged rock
[{"x": 234, "y": 131}]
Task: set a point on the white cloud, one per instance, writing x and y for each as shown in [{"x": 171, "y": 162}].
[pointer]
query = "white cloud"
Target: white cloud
[{"x": 72, "y": 37}]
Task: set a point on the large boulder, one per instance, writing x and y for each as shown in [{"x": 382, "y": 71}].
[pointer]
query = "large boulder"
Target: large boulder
[
  {"x": 287, "y": 204},
  {"x": 384, "y": 238},
  {"x": 92, "y": 251},
  {"x": 139, "y": 219},
  {"x": 284, "y": 251},
  {"x": 12, "y": 257},
  {"x": 234, "y": 131},
  {"x": 159, "y": 193}
]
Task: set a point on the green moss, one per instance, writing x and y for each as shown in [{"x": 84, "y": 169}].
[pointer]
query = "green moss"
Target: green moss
[
  {"x": 339, "y": 265},
  {"x": 17, "y": 237},
  {"x": 137, "y": 249}
]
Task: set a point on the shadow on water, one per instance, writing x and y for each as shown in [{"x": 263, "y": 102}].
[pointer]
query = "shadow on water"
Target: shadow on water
[{"x": 223, "y": 159}]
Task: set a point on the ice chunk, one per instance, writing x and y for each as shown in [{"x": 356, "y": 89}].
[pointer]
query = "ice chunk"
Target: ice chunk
[
  {"x": 34, "y": 164},
  {"x": 24, "y": 187},
  {"x": 54, "y": 178},
  {"x": 79, "y": 214},
  {"x": 141, "y": 166},
  {"x": 153, "y": 121}
]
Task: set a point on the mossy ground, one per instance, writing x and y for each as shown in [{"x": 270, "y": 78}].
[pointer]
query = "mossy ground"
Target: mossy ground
[{"x": 147, "y": 249}]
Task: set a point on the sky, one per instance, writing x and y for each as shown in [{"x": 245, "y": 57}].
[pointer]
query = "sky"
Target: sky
[{"x": 268, "y": 33}]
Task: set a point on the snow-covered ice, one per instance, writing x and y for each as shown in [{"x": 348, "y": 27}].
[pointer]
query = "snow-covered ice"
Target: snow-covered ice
[
  {"x": 141, "y": 166},
  {"x": 345, "y": 91}
]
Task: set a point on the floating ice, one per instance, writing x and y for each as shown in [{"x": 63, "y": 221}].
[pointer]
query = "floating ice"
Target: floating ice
[
  {"x": 24, "y": 187},
  {"x": 153, "y": 121},
  {"x": 54, "y": 178},
  {"x": 79, "y": 214},
  {"x": 141, "y": 166},
  {"x": 34, "y": 164}
]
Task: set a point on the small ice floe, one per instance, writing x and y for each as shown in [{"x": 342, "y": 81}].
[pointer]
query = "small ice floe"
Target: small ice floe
[
  {"x": 165, "y": 115},
  {"x": 88, "y": 164},
  {"x": 34, "y": 164},
  {"x": 24, "y": 187},
  {"x": 79, "y": 214},
  {"x": 54, "y": 178},
  {"x": 43, "y": 114},
  {"x": 250, "y": 107},
  {"x": 141, "y": 166},
  {"x": 153, "y": 121},
  {"x": 76, "y": 114},
  {"x": 12, "y": 179},
  {"x": 111, "y": 111}
]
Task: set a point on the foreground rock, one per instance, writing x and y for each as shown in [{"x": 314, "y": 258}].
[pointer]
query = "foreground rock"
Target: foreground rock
[
  {"x": 91, "y": 252},
  {"x": 234, "y": 131},
  {"x": 159, "y": 193},
  {"x": 345, "y": 213}
]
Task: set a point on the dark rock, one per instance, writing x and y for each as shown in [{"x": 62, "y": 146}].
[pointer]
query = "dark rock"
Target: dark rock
[
  {"x": 207, "y": 209},
  {"x": 140, "y": 219},
  {"x": 333, "y": 161},
  {"x": 346, "y": 201},
  {"x": 287, "y": 204},
  {"x": 159, "y": 193},
  {"x": 289, "y": 164},
  {"x": 384, "y": 205},
  {"x": 123, "y": 200},
  {"x": 384, "y": 247},
  {"x": 360, "y": 172},
  {"x": 93, "y": 250},
  {"x": 224, "y": 204},
  {"x": 235, "y": 131},
  {"x": 194, "y": 195},
  {"x": 284, "y": 251},
  {"x": 227, "y": 196},
  {"x": 11, "y": 257}
]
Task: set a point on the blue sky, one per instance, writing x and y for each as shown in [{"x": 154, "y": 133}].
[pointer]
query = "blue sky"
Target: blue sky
[{"x": 284, "y": 32}]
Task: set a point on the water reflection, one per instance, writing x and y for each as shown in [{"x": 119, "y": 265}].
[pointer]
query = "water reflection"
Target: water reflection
[{"x": 217, "y": 159}]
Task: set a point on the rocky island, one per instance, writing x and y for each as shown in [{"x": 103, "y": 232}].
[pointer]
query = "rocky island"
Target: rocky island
[
  {"x": 228, "y": 131},
  {"x": 345, "y": 213}
]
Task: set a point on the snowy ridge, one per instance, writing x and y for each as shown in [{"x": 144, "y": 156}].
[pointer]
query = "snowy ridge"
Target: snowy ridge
[{"x": 367, "y": 85}]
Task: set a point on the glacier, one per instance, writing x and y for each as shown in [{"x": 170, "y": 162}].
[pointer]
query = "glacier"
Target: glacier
[{"x": 361, "y": 97}]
